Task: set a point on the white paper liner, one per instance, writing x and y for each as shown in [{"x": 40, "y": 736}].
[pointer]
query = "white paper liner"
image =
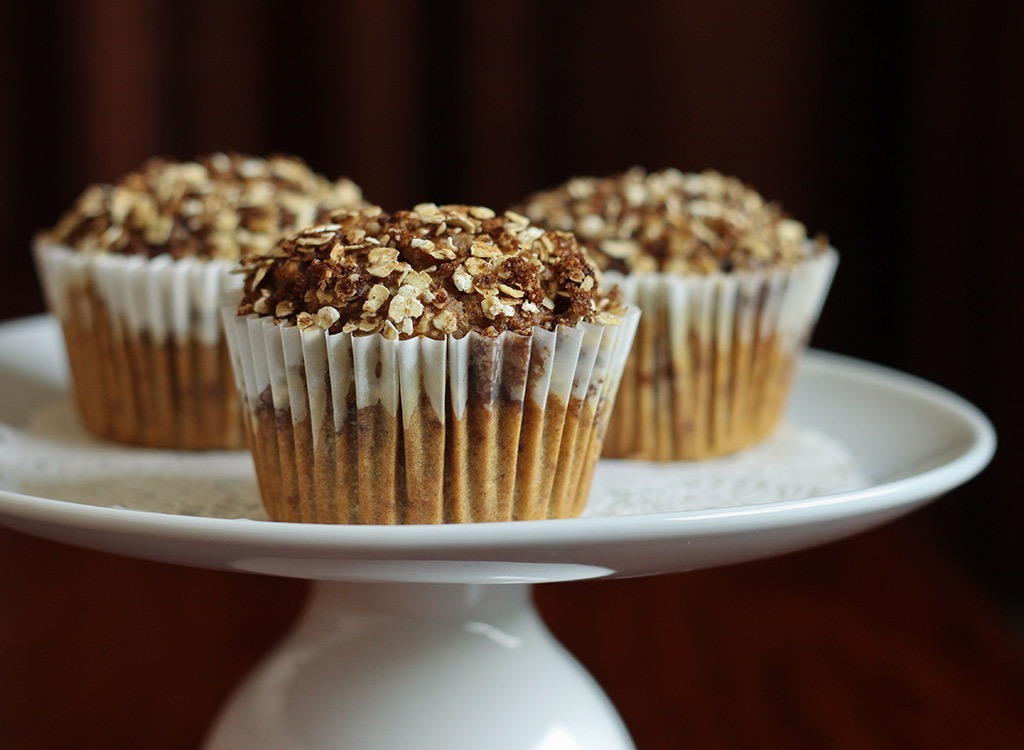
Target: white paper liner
[
  {"x": 145, "y": 345},
  {"x": 455, "y": 420},
  {"x": 712, "y": 363},
  {"x": 158, "y": 297}
]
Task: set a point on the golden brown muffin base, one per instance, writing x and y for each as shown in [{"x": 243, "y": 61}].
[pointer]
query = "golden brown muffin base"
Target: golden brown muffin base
[
  {"x": 499, "y": 462},
  {"x": 133, "y": 390},
  {"x": 691, "y": 399}
]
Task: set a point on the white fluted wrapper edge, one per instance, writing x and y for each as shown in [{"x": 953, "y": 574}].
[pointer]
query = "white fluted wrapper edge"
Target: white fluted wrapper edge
[
  {"x": 308, "y": 371},
  {"x": 159, "y": 297}
]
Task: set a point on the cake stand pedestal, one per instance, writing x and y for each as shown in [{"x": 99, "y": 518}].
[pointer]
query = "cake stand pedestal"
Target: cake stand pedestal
[
  {"x": 426, "y": 666},
  {"x": 422, "y": 637}
]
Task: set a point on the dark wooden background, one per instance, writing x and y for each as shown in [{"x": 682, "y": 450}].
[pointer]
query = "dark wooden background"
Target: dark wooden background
[{"x": 893, "y": 127}]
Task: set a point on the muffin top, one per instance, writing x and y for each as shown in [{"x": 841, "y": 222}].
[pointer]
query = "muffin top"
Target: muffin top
[
  {"x": 432, "y": 271},
  {"x": 674, "y": 222},
  {"x": 219, "y": 206}
]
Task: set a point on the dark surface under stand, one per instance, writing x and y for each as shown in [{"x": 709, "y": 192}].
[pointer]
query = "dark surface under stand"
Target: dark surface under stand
[{"x": 876, "y": 641}]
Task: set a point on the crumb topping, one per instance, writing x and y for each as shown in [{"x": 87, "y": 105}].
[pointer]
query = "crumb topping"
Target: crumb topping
[
  {"x": 218, "y": 206},
  {"x": 432, "y": 271},
  {"x": 673, "y": 221}
]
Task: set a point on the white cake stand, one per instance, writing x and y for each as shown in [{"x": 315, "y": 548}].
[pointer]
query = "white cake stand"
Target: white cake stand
[{"x": 406, "y": 642}]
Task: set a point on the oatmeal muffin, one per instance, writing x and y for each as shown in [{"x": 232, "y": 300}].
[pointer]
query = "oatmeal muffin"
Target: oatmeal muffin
[
  {"x": 134, "y": 272},
  {"x": 438, "y": 365},
  {"x": 730, "y": 289}
]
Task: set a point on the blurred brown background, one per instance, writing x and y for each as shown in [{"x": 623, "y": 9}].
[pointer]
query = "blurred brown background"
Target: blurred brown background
[{"x": 893, "y": 127}]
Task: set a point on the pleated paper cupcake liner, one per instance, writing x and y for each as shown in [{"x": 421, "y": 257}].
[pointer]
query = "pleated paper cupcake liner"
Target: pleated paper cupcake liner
[
  {"x": 367, "y": 430},
  {"x": 714, "y": 358},
  {"x": 149, "y": 364}
]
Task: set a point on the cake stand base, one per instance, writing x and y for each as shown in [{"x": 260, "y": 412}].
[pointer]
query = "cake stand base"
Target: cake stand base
[{"x": 371, "y": 666}]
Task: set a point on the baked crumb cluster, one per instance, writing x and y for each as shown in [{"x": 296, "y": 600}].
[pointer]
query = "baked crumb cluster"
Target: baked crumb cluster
[
  {"x": 219, "y": 206},
  {"x": 433, "y": 271},
  {"x": 673, "y": 221}
]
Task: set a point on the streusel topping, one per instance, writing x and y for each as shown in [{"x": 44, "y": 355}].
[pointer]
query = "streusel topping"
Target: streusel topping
[
  {"x": 673, "y": 221},
  {"x": 218, "y": 206},
  {"x": 432, "y": 271}
]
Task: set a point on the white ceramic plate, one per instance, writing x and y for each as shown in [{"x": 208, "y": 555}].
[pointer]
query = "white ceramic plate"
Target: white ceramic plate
[{"x": 912, "y": 441}]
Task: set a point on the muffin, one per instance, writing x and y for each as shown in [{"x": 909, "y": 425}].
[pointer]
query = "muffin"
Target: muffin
[
  {"x": 438, "y": 365},
  {"x": 730, "y": 288},
  {"x": 134, "y": 272}
]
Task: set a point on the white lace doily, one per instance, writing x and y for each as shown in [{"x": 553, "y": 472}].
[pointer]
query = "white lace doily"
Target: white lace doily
[
  {"x": 53, "y": 458},
  {"x": 795, "y": 463}
]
